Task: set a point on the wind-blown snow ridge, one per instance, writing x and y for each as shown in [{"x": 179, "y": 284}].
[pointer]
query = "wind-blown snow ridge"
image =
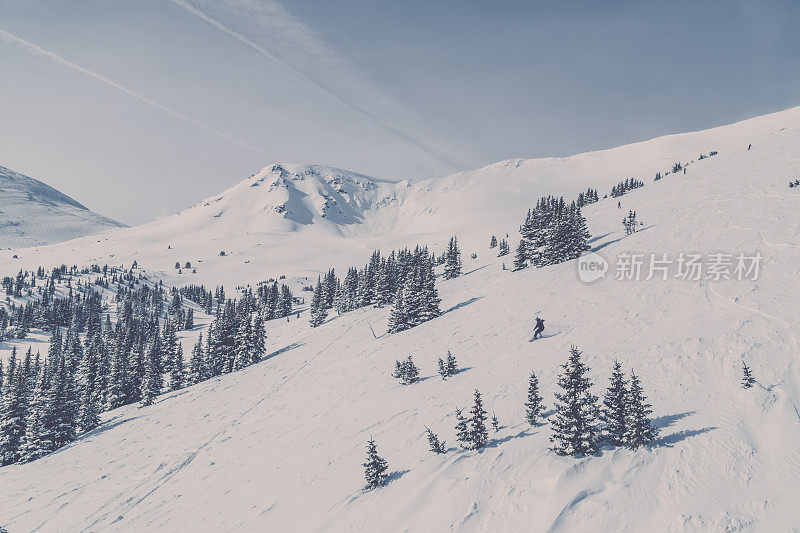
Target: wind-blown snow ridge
[{"x": 33, "y": 213}]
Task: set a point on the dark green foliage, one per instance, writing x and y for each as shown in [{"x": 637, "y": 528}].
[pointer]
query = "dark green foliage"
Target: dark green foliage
[{"x": 575, "y": 423}]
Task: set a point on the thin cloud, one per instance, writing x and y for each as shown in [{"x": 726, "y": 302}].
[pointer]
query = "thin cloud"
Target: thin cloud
[
  {"x": 39, "y": 51},
  {"x": 267, "y": 28}
]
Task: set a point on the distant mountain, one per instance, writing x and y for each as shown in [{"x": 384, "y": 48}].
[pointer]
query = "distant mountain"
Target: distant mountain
[
  {"x": 33, "y": 213},
  {"x": 303, "y": 219}
]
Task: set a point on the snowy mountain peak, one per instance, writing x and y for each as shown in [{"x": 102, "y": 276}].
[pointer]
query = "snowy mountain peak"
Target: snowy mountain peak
[
  {"x": 299, "y": 195},
  {"x": 33, "y": 213}
]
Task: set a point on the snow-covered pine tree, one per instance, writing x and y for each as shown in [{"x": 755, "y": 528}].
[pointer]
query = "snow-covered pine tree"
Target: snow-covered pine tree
[
  {"x": 410, "y": 372},
  {"x": 521, "y": 256},
  {"x": 375, "y": 467},
  {"x": 442, "y": 368},
  {"x": 244, "y": 344},
  {"x": 747, "y": 376},
  {"x": 629, "y": 223},
  {"x": 478, "y": 435},
  {"x": 37, "y": 441},
  {"x": 398, "y": 370},
  {"x": 493, "y": 242},
  {"x": 318, "y": 310},
  {"x": 89, "y": 410},
  {"x": 575, "y": 423},
  {"x": 188, "y": 324},
  {"x": 176, "y": 377},
  {"x": 451, "y": 364},
  {"x": 495, "y": 423},
  {"x": 613, "y": 413},
  {"x": 153, "y": 380},
  {"x": 452, "y": 266},
  {"x": 534, "y": 405},
  {"x": 13, "y": 411},
  {"x": 398, "y": 319},
  {"x": 503, "y": 248},
  {"x": 639, "y": 429},
  {"x": 462, "y": 431},
  {"x": 61, "y": 407},
  {"x": 437, "y": 446},
  {"x": 196, "y": 364}
]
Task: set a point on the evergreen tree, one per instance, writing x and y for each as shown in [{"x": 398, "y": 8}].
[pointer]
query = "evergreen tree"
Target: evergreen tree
[
  {"x": 375, "y": 467},
  {"x": 176, "y": 377},
  {"x": 410, "y": 372},
  {"x": 521, "y": 256},
  {"x": 398, "y": 370},
  {"x": 153, "y": 380},
  {"x": 639, "y": 429},
  {"x": 495, "y": 423},
  {"x": 398, "y": 319},
  {"x": 629, "y": 223},
  {"x": 613, "y": 414},
  {"x": 747, "y": 377},
  {"x": 493, "y": 242},
  {"x": 88, "y": 413},
  {"x": 451, "y": 364},
  {"x": 534, "y": 405},
  {"x": 452, "y": 268},
  {"x": 60, "y": 414},
  {"x": 259, "y": 339},
  {"x": 442, "y": 367},
  {"x": 318, "y": 310},
  {"x": 197, "y": 371},
  {"x": 503, "y": 249},
  {"x": 575, "y": 424},
  {"x": 436, "y": 445},
  {"x": 478, "y": 435},
  {"x": 37, "y": 442},
  {"x": 13, "y": 411},
  {"x": 462, "y": 431}
]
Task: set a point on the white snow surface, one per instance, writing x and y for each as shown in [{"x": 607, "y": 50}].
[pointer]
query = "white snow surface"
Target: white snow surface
[
  {"x": 33, "y": 213},
  {"x": 279, "y": 446}
]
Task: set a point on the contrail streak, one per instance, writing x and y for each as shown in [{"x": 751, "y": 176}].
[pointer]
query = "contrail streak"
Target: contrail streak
[
  {"x": 302, "y": 36},
  {"x": 39, "y": 51}
]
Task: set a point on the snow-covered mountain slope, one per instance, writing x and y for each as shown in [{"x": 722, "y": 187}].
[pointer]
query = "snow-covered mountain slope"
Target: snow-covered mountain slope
[
  {"x": 279, "y": 445},
  {"x": 33, "y": 213},
  {"x": 303, "y": 219}
]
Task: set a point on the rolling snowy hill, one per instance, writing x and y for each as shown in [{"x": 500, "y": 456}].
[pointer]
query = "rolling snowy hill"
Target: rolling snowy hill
[
  {"x": 303, "y": 219},
  {"x": 279, "y": 445},
  {"x": 33, "y": 213}
]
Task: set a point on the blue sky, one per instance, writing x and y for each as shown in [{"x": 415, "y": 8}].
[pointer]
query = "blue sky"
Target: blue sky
[{"x": 138, "y": 109}]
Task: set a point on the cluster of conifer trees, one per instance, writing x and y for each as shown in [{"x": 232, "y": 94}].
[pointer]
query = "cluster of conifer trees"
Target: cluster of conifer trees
[
  {"x": 553, "y": 232},
  {"x": 404, "y": 279},
  {"x": 624, "y": 186},
  {"x": 94, "y": 365},
  {"x": 588, "y": 197}
]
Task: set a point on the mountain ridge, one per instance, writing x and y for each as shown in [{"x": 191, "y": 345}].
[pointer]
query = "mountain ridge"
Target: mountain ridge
[{"x": 34, "y": 213}]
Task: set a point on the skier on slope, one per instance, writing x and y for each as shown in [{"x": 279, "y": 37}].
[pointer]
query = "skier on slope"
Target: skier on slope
[{"x": 539, "y": 328}]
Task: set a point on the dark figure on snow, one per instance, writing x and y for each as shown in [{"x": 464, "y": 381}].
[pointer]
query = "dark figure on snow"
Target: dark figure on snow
[
  {"x": 684, "y": 170},
  {"x": 749, "y": 146},
  {"x": 619, "y": 205},
  {"x": 537, "y": 331}
]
